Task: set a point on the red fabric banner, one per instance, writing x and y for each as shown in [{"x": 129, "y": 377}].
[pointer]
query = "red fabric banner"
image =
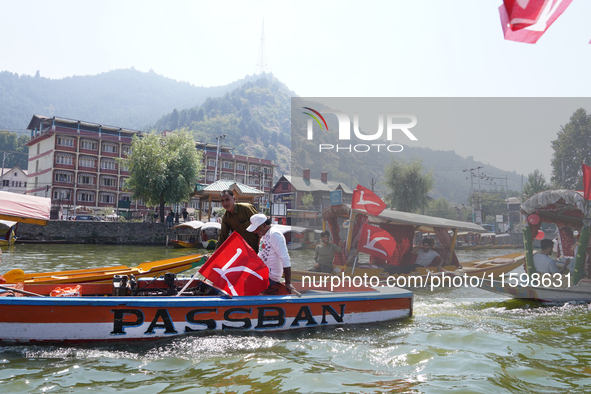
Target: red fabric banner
[
  {"x": 526, "y": 21},
  {"x": 586, "y": 182},
  {"x": 366, "y": 200},
  {"x": 376, "y": 242},
  {"x": 236, "y": 268}
]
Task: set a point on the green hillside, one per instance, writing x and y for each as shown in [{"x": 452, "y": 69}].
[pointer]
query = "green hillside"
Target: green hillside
[{"x": 125, "y": 98}]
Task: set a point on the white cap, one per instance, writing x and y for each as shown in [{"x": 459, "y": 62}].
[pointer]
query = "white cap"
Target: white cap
[{"x": 256, "y": 221}]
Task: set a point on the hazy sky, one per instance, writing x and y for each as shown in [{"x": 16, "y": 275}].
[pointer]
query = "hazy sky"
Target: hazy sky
[{"x": 391, "y": 48}]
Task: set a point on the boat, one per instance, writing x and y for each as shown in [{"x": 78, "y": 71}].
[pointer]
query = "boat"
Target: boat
[
  {"x": 189, "y": 238},
  {"x": 569, "y": 210},
  {"x": 408, "y": 229},
  {"x": 167, "y": 308},
  {"x": 210, "y": 233},
  {"x": 474, "y": 241},
  {"x": 7, "y": 232},
  {"x": 105, "y": 274}
]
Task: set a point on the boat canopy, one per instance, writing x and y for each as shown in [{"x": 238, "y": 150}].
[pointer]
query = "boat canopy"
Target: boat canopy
[
  {"x": 423, "y": 223},
  {"x": 195, "y": 224},
  {"x": 215, "y": 225},
  {"x": 4, "y": 224},
  {"x": 24, "y": 209},
  {"x": 565, "y": 207}
]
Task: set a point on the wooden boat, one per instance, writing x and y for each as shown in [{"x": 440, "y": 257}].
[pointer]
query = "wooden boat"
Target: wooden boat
[
  {"x": 7, "y": 232},
  {"x": 568, "y": 210},
  {"x": 210, "y": 232},
  {"x": 105, "y": 274},
  {"x": 471, "y": 241},
  {"x": 403, "y": 226},
  {"x": 154, "y": 313},
  {"x": 190, "y": 237}
]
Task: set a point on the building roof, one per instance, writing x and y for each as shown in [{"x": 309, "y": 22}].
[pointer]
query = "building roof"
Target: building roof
[
  {"x": 314, "y": 185},
  {"x": 241, "y": 191},
  {"x": 7, "y": 170},
  {"x": 37, "y": 120}
]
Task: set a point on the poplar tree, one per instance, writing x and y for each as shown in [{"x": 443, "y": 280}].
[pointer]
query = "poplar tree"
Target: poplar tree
[{"x": 409, "y": 185}]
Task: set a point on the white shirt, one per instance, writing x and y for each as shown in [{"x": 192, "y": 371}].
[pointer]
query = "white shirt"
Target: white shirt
[
  {"x": 273, "y": 252},
  {"x": 544, "y": 264},
  {"x": 425, "y": 258}
]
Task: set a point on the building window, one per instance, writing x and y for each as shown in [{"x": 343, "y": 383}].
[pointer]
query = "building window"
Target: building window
[
  {"x": 107, "y": 198},
  {"x": 125, "y": 198},
  {"x": 284, "y": 186},
  {"x": 86, "y": 161},
  {"x": 110, "y": 148},
  {"x": 107, "y": 164},
  {"x": 227, "y": 177},
  {"x": 89, "y": 144},
  {"x": 109, "y": 182},
  {"x": 240, "y": 179},
  {"x": 253, "y": 168},
  {"x": 86, "y": 196},
  {"x": 64, "y": 159},
  {"x": 61, "y": 194},
  {"x": 65, "y": 141},
  {"x": 85, "y": 179},
  {"x": 125, "y": 150},
  {"x": 211, "y": 163},
  {"x": 5, "y": 182},
  {"x": 123, "y": 184},
  {"x": 228, "y": 165},
  {"x": 210, "y": 177},
  {"x": 266, "y": 170},
  {"x": 240, "y": 167},
  {"x": 63, "y": 177}
]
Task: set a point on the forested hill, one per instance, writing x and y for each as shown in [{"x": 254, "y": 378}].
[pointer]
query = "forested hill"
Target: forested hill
[
  {"x": 127, "y": 98},
  {"x": 256, "y": 119}
]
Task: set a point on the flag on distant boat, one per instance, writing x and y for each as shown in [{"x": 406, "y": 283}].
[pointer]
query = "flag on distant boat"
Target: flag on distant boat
[
  {"x": 586, "y": 182},
  {"x": 366, "y": 200},
  {"x": 527, "y": 20},
  {"x": 236, "y": 268},
  {"x": 376, "y": 241}
]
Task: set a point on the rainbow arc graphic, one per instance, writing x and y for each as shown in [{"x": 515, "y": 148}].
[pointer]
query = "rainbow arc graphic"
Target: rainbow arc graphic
[{"x": 315, "y": 118}]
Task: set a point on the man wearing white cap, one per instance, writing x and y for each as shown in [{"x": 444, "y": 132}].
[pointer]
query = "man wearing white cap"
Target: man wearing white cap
[{"x": 272, "y": 249}]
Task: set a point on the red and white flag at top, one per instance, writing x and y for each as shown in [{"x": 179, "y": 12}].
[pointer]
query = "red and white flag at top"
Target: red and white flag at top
[
  {"x": 366, "y": 200},
  {"x": 236, "y": 268},
  {"x": 376, "y": 242},
  {"x": 527, "y": 20},
  {"x": 586, "y": 182}
]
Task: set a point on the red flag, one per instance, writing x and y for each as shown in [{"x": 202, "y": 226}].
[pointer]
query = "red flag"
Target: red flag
[
  {"x": 526, "y": 21},
  {"x": 236, "y": 268},
  {"x": 586, "y": 182},
  {"x": 376, "y": 242},
  {"x": 366, "y": 200}
]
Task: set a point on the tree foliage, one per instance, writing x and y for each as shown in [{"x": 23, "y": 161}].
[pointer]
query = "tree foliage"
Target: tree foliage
[
  {"x": 163, "y": 170},
  {"x": 17, "y": 153},
  {"x": 441, "y": 208},
  {"x": 536, "y": 182},
  {"x": 572, "y": 148},
  {"x": 308, "y": 201},
  {"x": 409, "y": 185}
]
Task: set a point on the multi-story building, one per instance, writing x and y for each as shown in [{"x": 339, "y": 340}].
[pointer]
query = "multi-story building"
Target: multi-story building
[
  {"x": 251, "y": 171},
  {"x": 13, "y": 180},
  {"x": 74, "y": 163}
]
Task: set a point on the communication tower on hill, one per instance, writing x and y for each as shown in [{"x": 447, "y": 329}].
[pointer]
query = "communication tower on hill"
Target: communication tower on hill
[{"x": 262, "y": 62}]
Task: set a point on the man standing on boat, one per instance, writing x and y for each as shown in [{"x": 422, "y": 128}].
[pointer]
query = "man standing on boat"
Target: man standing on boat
[
  {"x": 237, "y": 218},
  {"x": 324, "y": 254},
  {"x": 272, "y": 249},
  {"x": 546, "y": 265}
]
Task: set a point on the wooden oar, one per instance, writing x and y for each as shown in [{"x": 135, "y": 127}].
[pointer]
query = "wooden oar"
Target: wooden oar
[{"x": 20, "y": 291}]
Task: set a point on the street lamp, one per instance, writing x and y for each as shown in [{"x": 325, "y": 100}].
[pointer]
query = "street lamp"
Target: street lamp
[{"x": 217, "y": 153}]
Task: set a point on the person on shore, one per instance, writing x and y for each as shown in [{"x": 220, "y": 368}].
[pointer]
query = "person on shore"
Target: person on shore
[
  {"x": 185, "y": 214},
  {"x": 237, "y": 218},
  {"x": 272, "y": 250},
  {"x": 544, "y": 264},
  {"x": 169, "y": 219},
  {"x": 324, "y": 254}
]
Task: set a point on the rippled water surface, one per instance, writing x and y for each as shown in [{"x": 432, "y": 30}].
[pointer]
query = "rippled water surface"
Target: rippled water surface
[{"x": 460, "y": 340}]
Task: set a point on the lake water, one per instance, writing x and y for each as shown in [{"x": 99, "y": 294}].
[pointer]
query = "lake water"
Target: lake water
[{"x": 460, "y": 340}]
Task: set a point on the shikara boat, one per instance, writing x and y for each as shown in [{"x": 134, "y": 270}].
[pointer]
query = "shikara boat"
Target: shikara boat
[
  {"x": 7, "y": 232},
  {"x": 105, "y": 274},
  {"x": 405, "y": 228},
  {"x": 296, "y": 237},
  {"x": 155, "y": 312},
  {"x": 570, "y": 212},
  {"x": 188, "y": 235},
  {"x": 210, "y": 232}
]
